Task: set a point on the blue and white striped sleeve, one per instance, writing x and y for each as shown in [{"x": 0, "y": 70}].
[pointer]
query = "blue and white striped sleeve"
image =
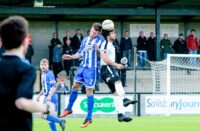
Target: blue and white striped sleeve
[{"x": 52, "y": 80}]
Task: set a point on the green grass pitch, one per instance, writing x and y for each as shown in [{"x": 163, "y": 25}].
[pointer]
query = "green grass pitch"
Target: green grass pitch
[{"x": 150, "y": 123}]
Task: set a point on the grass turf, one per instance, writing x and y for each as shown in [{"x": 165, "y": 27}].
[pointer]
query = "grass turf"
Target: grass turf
[{"x": 151, "y": 123}]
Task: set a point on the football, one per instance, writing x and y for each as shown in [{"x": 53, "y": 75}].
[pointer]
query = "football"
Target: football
[{"x": 108, "y": 25}]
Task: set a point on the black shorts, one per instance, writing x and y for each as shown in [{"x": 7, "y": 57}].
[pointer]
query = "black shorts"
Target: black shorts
[{"x": 110, "y": 76}]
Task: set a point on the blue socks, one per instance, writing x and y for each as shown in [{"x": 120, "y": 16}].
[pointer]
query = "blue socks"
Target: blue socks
[
  {"x": 53, "y": 119},
  {"x": 52, "y": 126},
  {"x": 90, "y": 103},
  {"x": 72, "y": 98}
]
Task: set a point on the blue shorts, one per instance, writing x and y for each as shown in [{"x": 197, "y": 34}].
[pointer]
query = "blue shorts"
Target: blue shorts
[
  {"x": 87, "y": 76},
  {"x": 54, "y": 100}
]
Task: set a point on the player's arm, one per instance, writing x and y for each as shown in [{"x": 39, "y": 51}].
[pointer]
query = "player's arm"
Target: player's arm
[
  {"x": 53, "y": 86},
  {"x": 30, "y": 105},
  {"x": 51, "y": 92},
  {"x": 77, "y": 55},
  {"x": 69, "y": 57},
  {"x": 39, "y": 95},
  {"x": 106, "y": 59}
]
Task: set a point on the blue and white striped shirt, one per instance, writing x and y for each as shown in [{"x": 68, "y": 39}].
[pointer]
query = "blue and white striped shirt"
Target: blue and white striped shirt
[
  {"x": 89, "y": 52},
  {"x": 47, "y": 81}
]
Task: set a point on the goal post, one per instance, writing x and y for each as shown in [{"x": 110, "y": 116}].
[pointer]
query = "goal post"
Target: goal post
[{"x": 178, "y": 75}]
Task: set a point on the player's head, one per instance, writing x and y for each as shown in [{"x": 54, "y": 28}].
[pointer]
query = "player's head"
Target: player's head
[
  {"x": 109, "y": 35},
  {"x": 95, "y": 30},
  {"x": 44, "y": 65},
  {"x": 14, "y": 33}
]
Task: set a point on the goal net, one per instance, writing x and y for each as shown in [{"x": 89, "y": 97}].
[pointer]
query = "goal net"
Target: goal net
[{"x": 178, "y": 75}]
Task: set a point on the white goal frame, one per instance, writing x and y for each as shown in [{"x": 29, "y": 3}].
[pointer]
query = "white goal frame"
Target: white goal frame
[{"x": 169, "y": 56}]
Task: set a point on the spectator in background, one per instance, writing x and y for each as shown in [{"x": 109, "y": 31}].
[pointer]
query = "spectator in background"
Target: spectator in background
[
  {"x": 180, "y": 45},
  {"x": 88, "y": 32},
  {"x": 30, "y": 51},
  {"x": 67, "y": 37},
  {"x": 126, "y": 46},
  {"x": 151, "y": 47},
  {"x": 2, "y": 49},
  {"x": 166, "y": 46},
  {"x": 78, "y": 37},
  {"x": 56, "y": 54},
  {"x": 192, "y": 42},
  {"x": 67, "y": 49},
  {"x": 61, "y": 84},
  {"x": 53, "y": 42},
  {"x": 141, "y": 46}
]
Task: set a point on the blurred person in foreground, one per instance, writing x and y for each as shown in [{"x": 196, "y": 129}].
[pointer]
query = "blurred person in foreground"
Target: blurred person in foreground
[{"x": 17, "y": 78}]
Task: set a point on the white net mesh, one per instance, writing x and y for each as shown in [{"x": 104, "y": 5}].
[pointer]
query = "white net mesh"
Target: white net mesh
[{"x": 183, "y": 76}]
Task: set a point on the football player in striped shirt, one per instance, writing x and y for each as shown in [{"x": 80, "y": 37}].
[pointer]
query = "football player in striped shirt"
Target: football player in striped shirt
[
  {"x": 87, "y": 73},
  {"x": 48, "y": 90}
]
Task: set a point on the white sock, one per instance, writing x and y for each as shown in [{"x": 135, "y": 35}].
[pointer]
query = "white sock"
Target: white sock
[
  {"x": 118, "y": 104},
  {"x": 120, "y": 90}
]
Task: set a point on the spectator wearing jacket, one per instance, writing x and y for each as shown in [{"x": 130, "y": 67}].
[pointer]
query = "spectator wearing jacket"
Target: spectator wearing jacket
[
  {"x": 30, "y": 51},
  {"x": 192, "y": 42},
  {"x": 166, "y": 46},
  {"x": 180, "y": 45},
  {"x": 67, "y": 49},
  {"x": 142, "y": 50},
  {"x": 77, "y": 38},
  {"x": 67, "y": 37},
  {"x": 56, "y": 54},
  {"x": 151, "y": 47},
  {"x": 126, "y": 46}
]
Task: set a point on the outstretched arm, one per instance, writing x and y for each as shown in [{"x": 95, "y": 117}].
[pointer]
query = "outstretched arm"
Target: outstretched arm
[
  {"x": 31, "y": 106},
  {"x": 69, "y": 57}
]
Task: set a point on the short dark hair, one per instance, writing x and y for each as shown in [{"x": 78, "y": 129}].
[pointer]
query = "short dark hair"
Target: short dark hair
[
  {"x": 13, "y": 31},
  {"x": 97, "y": 26},
  {"x": 106, "y": 33},
  {"x": 193, "y": 30},
  {"x": 181, "y": 34}
]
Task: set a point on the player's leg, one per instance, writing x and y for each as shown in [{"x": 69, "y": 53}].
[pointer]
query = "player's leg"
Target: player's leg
[
  {"x": 120, "y": 109},
  {"x": 113, "y": 77},
  {"x": 72, "y": 98},
  {"x": 89, "y": 82},
  {"x": 90, "y": 105},
  {"x": 52, "y": 125},
  {"x": 78, "y": 80},
  {"x": 52, "y": 119},
  {"x": 121, "y": 92},
  {"x": 118, "y": 104}
]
